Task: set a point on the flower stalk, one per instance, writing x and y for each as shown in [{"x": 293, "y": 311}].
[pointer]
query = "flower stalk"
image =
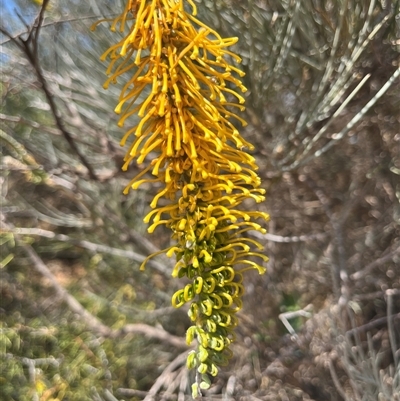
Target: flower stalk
[{"x": 180, "y": 84}]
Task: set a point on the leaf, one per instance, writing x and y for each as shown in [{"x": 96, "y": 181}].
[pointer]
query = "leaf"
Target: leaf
[{"x": 6, "y": 260}]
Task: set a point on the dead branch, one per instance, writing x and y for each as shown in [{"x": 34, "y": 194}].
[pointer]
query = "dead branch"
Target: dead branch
[
  {"x": 90, "y": 246},
  {"x": 166, "y": 376},
  {"x": 367, "y": 269},
  {"x": 29, "y": 47},
  {"x": 33, "y": 124},
  {"x": 170, "y": 377},
  {"x": 340, "y": 274},
  {"x": 372, "y": 325},
  {"x": 289, "y": 239}
]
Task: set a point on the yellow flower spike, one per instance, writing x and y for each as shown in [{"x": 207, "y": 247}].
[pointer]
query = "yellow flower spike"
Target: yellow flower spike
[
  {"x": 195, "y": 262},
  {"x": 178, "y": 299},
  {"x": 142, "y": 266},
  {"x": 253, "y": 265},
  {"x": 207, "y": 306},
  {"x": 202, "y": 368},
  {"x": 173, "y": 250},
  {"x": 211, "y": 326},
  {"x": 254, "y": 242},
  {"x": 230, "y": 246},
  {"x": 191, "y": 359},
  {"x": 182, "y": 224},
  {"x": 155, "y": 225},
  {"x": 156, "y": 214},
  {"x": 227, "y": 300},
  {"x": 216, "y": 344},
  {"x": 190, "y": 334},
  {"x": 216, "y": 302},
  {"x": 228, "y": 322},
  {"x": 227, "y": 271},
  {"x": 202, "y": 337},
  {"x": 188, "y": 293},
  {"x": 213, "y": 370},
  {"x": 205, "y": 233},
  {"x": 239, "y": 305},
  {"x": 193, "y": 312},
  {"x": 209, "y": 286},
  {"x": 185, "y": 93},
  {"x": 198, "y": 285},
  {"x": 202, "y": 354},
  {"x": 237, "y": 289},
  {"x": 207, "y": 257},
  {"x": 177, "y": 267}
]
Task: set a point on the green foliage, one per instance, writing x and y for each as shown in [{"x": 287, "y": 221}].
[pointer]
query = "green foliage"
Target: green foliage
[{"x": 57, "y": 357}]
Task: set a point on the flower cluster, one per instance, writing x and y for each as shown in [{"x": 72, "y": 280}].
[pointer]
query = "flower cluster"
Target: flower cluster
[{"x": 181, "y": 87}]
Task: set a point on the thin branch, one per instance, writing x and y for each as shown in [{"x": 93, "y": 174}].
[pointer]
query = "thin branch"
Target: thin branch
[
  {"x": 129, "y": 392},
  {"x": 29, "y": 363},
  {"x": 339, "y": 272},
  {"x": 36, "y": 32},
  {"x": 33, "y": 124},
  {"x": 165, "y": 376},
  {"x": 151, "y": 332},
  {"x": 335, "y": 379},
  {"x": 91, "y": 246},
  {"x": 372, "y": 295},
  {"x": 92, "y": 321},
  {"x": 350, "y": 125},
  {"x": 324, "y": 129},
  {"x": 41, "y": 361},
  {"x": 392, "y": 335},
  {"x": 367, "y": 269},
  {"x": 383, "y": 321},
  {"x": 284, "y": 318},
  {"x": 54, "y": 23},
  {"x": 294, "y": 238},
  {"x": 29, "y": 50},
  {"x": 11, "y": 38}
]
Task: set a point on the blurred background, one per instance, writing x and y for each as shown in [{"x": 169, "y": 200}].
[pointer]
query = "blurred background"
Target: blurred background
[{"x": 79, "y": 321}]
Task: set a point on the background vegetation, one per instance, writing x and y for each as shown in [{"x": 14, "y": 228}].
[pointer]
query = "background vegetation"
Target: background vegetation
[{"x": 78, "y": 319}]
